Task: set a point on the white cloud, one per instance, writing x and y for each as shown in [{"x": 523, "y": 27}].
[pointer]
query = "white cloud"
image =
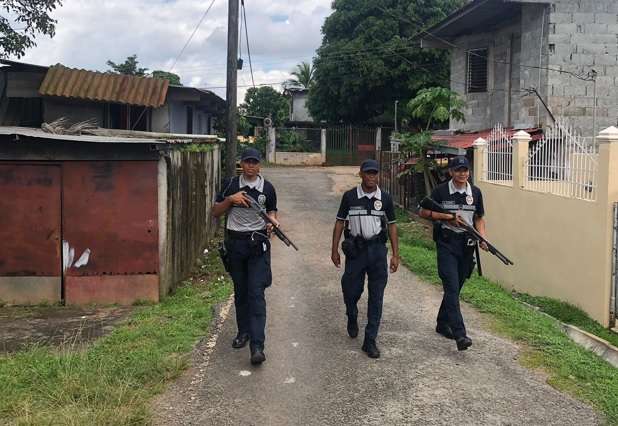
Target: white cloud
[{"x": 89, "y": 32}]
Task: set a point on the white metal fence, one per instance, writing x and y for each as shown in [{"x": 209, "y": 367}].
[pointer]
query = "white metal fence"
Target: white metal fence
[
  {"x": 498, "y": 164},
  {"x": 563, "y": 163}
]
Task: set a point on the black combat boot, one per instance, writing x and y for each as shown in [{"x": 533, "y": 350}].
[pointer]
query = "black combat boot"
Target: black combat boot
[
  {"x": 463, "y": 343},
  {"x": 352, "y": 327},
  {"x": 369, "y": 347}
]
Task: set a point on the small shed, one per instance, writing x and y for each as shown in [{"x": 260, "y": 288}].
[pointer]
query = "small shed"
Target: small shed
[{"x": 102, "y": 219}]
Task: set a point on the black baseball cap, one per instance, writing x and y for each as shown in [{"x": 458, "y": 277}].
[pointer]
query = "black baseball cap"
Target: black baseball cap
[
  {"x": 250, "y": 154},
  {"x": 370, "y": 166},
  {"x": 459, "y": 162}
]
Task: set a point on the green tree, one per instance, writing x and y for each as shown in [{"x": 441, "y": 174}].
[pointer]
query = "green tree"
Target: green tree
[
  {"x": 431, "y": 106},
  {"x": 28, "y": 18},
  {"x": 370, "y": 58},
  {"x": 264, "y": 102},
  {"x": 436, "y": 105},
  {"x": 128, "y": 67},
  {"x": 303, "y": 76},
  {"x": 173, "y": 78}
]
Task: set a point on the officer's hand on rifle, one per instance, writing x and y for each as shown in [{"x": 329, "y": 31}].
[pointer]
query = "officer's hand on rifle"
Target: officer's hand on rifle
[
  {"x": 270, "y": 226},
  {"x": 336, "y": 258},
  {"x": 239, "y": 199},
  {"x": 457, "y": 221},
  {"x": 484, "y": 246}
]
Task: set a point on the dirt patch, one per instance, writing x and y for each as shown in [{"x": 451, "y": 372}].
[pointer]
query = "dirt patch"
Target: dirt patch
[
  {"x": 344, "y": 178},
  {"x": 23, "y": 327}
]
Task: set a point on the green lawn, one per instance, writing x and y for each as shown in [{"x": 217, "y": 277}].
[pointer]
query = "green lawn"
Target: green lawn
[
  {"x": 570, "y": 367},
  {"x": 112, "y": 380}
]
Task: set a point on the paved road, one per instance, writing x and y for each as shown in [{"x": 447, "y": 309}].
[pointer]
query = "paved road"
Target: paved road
[{"x": 316, "y": 375}]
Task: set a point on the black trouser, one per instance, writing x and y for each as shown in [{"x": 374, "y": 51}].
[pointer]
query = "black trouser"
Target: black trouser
[
  {"x": 372, "y": 261},
  {"x": 250, "y": 271},
  {"x": 455, "y": 263}
]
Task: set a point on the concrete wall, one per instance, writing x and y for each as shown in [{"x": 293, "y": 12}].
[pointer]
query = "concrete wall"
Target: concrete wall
[
  {"x": 561, "y": 247},
  {"x": 202, "y": 122},
  {"x": 161, "y": 119},
  {"x": 571, "y": 35},
  {"x": 484, "y": 110},
  {"x": 192, "y": 181},
  {"x": 299, "y": 159},
  {"x": 300, "y": 113},
  {"x": 76, "y": 111},
  {"x": 582, "y": 37}
]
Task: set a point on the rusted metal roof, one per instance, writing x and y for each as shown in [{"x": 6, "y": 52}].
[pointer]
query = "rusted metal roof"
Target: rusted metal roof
[{"x": 96, "y": 86}]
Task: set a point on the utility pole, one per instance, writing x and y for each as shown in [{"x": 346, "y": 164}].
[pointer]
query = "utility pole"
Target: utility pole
[
  {"x": 232, "y": 88},
  {"x": 396, "y": 105}
]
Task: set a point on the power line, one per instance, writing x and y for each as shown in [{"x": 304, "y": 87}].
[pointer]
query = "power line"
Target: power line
[
  {"x": 178, "y": 57},
  {"x": 244, "y": 13},
  {"x": 197, "y": 27}
]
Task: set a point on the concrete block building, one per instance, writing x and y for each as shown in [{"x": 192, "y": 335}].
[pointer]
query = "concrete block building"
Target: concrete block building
[{"x": 522, "y": 63}]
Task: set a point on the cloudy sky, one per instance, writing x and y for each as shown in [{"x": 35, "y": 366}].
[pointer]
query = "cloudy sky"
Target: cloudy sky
[{"x": 89, "y": 32}]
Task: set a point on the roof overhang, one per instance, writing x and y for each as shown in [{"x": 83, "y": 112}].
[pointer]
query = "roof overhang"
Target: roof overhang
[
  {"x": 479, "y": 16},
  {"x": 22, "y": 66},
  {"x": 112, "y": 137}
]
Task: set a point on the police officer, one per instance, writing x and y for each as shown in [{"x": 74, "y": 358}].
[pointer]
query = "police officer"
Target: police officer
[
  {"x": 367, "y": 214},
  {"x": 248, "y": 249},
  {"x": 464, "y": 203}
]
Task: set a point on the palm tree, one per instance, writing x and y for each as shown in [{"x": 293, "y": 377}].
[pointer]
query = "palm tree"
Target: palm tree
[{"x": 303, "y": 76}]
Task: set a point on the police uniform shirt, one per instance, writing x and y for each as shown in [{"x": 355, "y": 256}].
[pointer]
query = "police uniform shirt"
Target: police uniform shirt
[
  {"x": 466, "y": 202},
  {"x": 365, "y": 212},
  {"x": 245, "y": 219}
]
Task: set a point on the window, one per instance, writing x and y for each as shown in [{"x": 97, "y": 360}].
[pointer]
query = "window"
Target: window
[
  {"x": 477, "y": 70},
  {"x": 127, "y": 117}
]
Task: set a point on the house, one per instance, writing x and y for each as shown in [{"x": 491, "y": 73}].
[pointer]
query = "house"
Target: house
[
  {"x": 35, "y": 94},
  {"x": 525, "y": 63},
  {"x": 94, "y": 219},
  {"x": 299, "y": 113}
]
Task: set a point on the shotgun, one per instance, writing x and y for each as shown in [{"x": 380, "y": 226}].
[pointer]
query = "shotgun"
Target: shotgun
[
  {"x": 261, "y": 211},
  {"x": 429, "y": 204}
]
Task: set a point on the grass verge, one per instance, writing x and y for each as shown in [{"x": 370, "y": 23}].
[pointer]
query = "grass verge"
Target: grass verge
[
  {"x": 570, "y": 367},
  {"x": 112, "y": 380}
]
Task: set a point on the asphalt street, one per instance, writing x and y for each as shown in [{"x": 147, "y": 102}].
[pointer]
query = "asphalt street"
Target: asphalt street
[{"x": 316, "y": 375}]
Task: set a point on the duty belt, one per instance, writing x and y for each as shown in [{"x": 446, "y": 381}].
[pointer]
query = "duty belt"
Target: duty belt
[{"x": 235, "y": 235}]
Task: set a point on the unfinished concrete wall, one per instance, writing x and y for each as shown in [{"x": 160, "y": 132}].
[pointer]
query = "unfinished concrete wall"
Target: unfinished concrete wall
[
  {"x": 582, "y": 38},
  {"x": 192, "y": 181},
  {"x": 484, "y": 110},
  {"x": 534, "y": 35}
]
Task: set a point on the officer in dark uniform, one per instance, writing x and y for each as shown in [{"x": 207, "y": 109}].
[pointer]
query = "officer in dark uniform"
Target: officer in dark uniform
[
  {"x": 464, "y": 202},
  {"x": 247, "y": 249},
  {"x": 369, "y": 214}
]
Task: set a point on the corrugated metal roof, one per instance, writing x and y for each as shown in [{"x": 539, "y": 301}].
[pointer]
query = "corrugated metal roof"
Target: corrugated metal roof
[
  {"x": 96, "y": 86},
  {"x": 466, "y": 140},
  {"x": 173, "y": 139}
]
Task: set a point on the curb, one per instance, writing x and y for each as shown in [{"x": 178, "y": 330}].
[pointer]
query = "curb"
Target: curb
[{"x": 588, "y": 341}]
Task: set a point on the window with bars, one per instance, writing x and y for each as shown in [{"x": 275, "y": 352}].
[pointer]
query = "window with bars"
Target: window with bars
[{"x": 477, "y": 70}]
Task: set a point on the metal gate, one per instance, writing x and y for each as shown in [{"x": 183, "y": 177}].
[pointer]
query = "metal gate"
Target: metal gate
[
  {"x": 349, "y": 146},
  {"x": 110, "y": 229},
  {"x": 30, "y": 259}
]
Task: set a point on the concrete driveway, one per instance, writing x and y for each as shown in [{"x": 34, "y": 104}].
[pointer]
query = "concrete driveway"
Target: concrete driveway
[{"x": 316, "y": 375}]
